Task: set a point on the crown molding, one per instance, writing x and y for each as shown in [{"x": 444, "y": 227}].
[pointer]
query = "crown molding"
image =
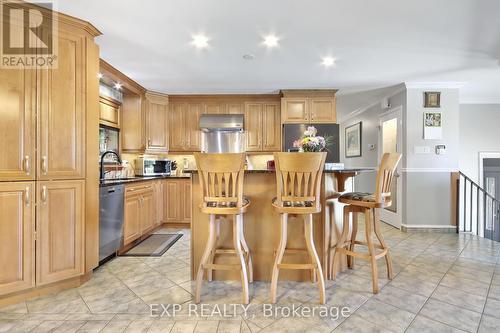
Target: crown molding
[
  {"x": 363, "y": 109},
  {"x": 435, "y": 85}
]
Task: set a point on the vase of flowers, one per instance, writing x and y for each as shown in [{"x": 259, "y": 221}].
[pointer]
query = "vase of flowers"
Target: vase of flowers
[{"x": 310, "y": 142}]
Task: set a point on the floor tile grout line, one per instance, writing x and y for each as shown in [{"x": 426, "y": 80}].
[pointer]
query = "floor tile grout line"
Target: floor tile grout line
[
  {"x": 487, "y": 296},
  {"x": 458, "y": 256}
]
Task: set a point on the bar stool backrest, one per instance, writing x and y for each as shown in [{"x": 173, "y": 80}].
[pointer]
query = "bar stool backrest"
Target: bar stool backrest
[
  {"x": 298, "y": 178},
  {"x": 385, "y": 176},
  {"x": 221, "y": 178}
]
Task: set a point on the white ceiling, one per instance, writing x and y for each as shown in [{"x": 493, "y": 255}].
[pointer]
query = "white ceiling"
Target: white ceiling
[{"x": 376, "y": 43}]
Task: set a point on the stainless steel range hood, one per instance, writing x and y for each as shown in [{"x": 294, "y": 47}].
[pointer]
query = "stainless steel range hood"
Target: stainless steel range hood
[
  {"x": 221, "y": 122},
  {"x": 222, "y": 133}
]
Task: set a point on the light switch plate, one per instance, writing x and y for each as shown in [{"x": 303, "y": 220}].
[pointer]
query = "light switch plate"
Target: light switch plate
[{"x": 422, "y": 149}]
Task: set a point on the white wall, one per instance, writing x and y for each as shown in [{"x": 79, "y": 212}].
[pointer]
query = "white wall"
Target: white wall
[{"x": 479, "y": 132}]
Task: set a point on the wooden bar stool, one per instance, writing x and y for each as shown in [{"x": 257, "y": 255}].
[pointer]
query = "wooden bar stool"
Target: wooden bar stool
[
  {"x": 368, "y": 204},
  {"x": 221, "y": 178},
  {"x": 298, "y": 177}
]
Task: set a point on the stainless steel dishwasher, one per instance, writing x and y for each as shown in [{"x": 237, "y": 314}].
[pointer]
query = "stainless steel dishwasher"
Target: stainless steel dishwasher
[{"x": 111, "y": 202}]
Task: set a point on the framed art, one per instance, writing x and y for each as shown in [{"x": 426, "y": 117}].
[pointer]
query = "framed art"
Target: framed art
[
  {"x": 433, "y": 126},
  {"x": 432, "y": 99},
  {"x": 353, "y": 140}
]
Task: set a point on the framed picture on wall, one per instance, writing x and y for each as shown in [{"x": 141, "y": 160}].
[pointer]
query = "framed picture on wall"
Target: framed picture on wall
[
  {"x": 433, "y": 129},
  {"x": 432, "y": 99},
  {"x": 353, "y": 140}
]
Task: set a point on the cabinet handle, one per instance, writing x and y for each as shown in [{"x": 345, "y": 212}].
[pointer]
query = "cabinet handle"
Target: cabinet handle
[
  {"x": 44, "y": 194},
  {"x": 27, "y": 164},
  {"x": 44, "y": 165},
  {"x": 27, "y": 196},
  {"x": 149, "y": 142}
]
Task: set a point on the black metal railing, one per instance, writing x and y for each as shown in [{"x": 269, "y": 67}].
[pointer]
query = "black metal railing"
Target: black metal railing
[{"x": 477, "y": 211}]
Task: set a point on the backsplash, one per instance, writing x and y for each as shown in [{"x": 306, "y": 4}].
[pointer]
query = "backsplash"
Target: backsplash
[{"x": 254, "y": 161}]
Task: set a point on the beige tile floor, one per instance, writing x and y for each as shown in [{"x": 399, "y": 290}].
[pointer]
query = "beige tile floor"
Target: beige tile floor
[{"x": 443, "y": 283}]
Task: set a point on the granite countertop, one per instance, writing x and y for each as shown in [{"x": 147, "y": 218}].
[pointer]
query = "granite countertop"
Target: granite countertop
[
  {"x": 108, "y": 182},
  {"x": 344, "y": 170}
]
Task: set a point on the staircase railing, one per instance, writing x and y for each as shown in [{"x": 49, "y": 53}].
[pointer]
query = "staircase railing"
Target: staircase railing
[{"x": 477, "y": 211}]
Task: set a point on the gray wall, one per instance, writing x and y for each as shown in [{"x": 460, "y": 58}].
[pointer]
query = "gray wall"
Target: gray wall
[
  {"x": 427, "y": 177},
  {"x": 479, "y": 132},
  {"x": 365, "y": 182}
]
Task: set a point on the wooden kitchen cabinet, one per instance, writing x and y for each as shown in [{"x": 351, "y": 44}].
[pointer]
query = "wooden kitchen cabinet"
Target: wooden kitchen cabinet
[
  {"x": 157, "y": 122},
  {"x": 159, "y": 195},
  {"x": 109, "y": 112},
  {"x": 132, "y": 218},
  {"x": 61, "y": 136},
  {"x": 139, "y": 214},
  {"x": 17, "y": 124},
  {"x": 192, "y": 129},
  {"x": 308, "y": 106},
  {"x": 148, "y": 211},
  {"x": 17, "y": 236},
  {"x": 177, "y": 131},
  {"x": 184, "y": 126},
  {"x": 178, "y": 201},
  {"x": 60, "y": 230},
  {"x": 262, "y": 126},
  {"x": 294, "y": 110}
]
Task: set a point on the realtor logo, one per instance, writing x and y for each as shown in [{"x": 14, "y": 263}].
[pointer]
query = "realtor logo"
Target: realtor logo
[{"x": 29, "y": 34}]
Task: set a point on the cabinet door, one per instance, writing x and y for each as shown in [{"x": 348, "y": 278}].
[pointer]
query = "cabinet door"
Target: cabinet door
[
  {"x": 186, "y": 201},
  {"x": 60, "y": 218},
  {"x": 192, "y": 126},
  {"x": 294, "y": 110},
  {"x": 132, "y": 127},
  {"x": 159, "y": 201},
  {"x": 253, "y": 126},
  {"x": 17, "y": 124},
  {"x": 17, "y": 241},
  {"x": 147, "y": 211},
  {"x": 177, "y": 126},
  {"x": 235, "y": 108},
  {"x": 271, "y": 127},
  {"x": 323, "y": 110},
  {"x": 157, "y": 125},
  {"x": 214, "y": 108},
  {"x": 132, "y": 218},
  {"x": 173, "y": 201},
  {"x": 61, "y": 124},
  {"x": 109, "y": 112}
]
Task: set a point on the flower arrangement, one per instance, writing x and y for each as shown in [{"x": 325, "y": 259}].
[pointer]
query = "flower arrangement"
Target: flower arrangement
[{"x": 310, "y": 142}]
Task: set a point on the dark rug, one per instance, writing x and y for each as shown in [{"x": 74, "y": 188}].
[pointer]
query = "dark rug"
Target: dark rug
[{"x": 153, "y": 246}]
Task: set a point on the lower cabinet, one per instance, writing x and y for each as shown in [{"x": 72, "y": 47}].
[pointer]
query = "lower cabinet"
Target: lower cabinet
[
  {"x": 159, "y": 194},
  {"x": 40, "y": 243},
  {"x": 17, "y": 237},
  {"x": 178, "y": 201},
  {"x": 139, "y": 215},
  {"x": 60, "y": 230}
]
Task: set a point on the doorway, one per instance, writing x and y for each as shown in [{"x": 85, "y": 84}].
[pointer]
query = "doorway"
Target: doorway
[{"x": 391, "y": 141}]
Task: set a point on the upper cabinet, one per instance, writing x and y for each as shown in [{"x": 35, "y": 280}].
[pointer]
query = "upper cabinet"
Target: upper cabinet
[
  {"x": 17, "y": 124},
  {"x": 132, "y": 116},
  {"x": 308, "y": 106},
  {"x": 109, "y": 112},
  {"x": 157, "y": 122},
  {"x": 61, "y": 145},
  {"x": 262, "y": 126}
]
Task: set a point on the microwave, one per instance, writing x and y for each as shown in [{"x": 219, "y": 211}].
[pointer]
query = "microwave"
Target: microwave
[{"x": 148, "y": 166}]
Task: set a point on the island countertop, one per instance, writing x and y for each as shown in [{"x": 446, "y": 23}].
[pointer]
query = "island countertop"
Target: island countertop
[{"x": 261, "y": 225}]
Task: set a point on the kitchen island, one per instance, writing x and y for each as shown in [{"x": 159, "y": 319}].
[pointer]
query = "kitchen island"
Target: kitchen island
[{"x": 261, "y": 226}]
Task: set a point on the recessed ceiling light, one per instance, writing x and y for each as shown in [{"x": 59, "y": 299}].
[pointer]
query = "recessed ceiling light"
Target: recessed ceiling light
[
  {"x": 249, "y": 56},
  {"x": 200, "y": 41},
  {"x": 328, "y": 61},
  {"x": 100, "y": 75},
  {"x": 271, "y": 41},
  {"x": 118, "y": 86}
]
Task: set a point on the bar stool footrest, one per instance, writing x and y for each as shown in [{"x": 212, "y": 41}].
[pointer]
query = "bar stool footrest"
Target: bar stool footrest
[
  {"x": 222, "y": 267},
  {"x": 297, "y": 266}
]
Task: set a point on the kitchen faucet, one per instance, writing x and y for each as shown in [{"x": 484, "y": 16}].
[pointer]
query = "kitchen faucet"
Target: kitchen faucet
[{"x": 101, "y": 165}]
